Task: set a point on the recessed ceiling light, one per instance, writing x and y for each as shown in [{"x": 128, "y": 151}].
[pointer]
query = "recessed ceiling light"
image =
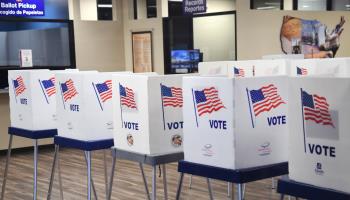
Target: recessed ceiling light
[
  {"x": 104, "y": 5},
  {"x": 347, "y": 5},
  {"x": 266, "y": 8}
]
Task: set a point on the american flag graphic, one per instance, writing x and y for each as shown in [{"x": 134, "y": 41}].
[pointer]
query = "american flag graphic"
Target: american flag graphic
[
  {"x": 171, "y": 96},
  {"x": 265, "y": 99},
  {"x": 127, "y": 97},
  {"x": 19, "y": 85},
  {"x": 49, "y": 86},
  {"x": 301, "y": 71},
  {"x": 316, "y": 109},
  {"x": 208, "y": 101},
  {"x": 104, "y": 90},
  {"x": 68, "y": 90},
  {"x": 239, "y": 72}
]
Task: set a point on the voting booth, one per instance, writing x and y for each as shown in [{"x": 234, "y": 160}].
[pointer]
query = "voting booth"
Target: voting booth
[
  {"x": 32, "y": 99},
  {"x": 148, "y": 113},
  {"x": 240, "y": 69},
  {"x": 213, "y": 68},
  {"x": 235, "y": 123},
  {"x": 84, "y": 105},
  {"x": 275, "y": 67},
  {"x": 319, "y": 113}
]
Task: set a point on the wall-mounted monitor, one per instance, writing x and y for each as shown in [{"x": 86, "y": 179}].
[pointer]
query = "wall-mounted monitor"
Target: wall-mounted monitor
[{"x": 185, "y": 61}]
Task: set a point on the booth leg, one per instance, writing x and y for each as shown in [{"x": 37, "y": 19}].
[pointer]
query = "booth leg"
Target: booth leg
[
  {"x": 165, "y": 183},
  {"x": 190, "y": 181},
  {"x": 154, "y": 182},
  {"x": 114, "y": 158},
  {"x": 88, "y": 159},
  {"x": 273, "y": 185},
  {"x": 92, "y": 181},
  {"x": 52, "y": 177},
  {"x": 229, "y": 187},
  {"x": 59, "y": 174},
  {"x": 210, "y": 190},
  {"x": 282, "y": 197},
  {"x": 239, "y": 191},
  {"x": 145, "y": 181},
  {"x": 6, "y": 167},
  {"x": 105, "y": 171},
  {"x": 179, "y": 187},
  {"x": 35, "y": 168}
]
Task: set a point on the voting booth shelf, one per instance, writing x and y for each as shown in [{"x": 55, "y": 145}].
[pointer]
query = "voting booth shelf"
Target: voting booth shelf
[
  {"x": 84, "y": 105},
  {"x": 148, "y": 113},
  {"x": 319, "y": 139},
  {"x": 32, "y": 99},
  {"x": 235, "y": 123}
]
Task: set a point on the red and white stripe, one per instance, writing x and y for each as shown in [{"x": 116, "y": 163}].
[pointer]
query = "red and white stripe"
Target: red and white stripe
[
  {"x": 71, "y": 90},
  {"x": 240, "y": 73},
  {"x": 320, "y": 114},
  {"x": 176, "y": 100},
  {"x": 107, "y": 94},
  {"x": 272, "y": 100},
  {"x": 213, "y": 102},
  {"x": 129, "y": 100},
  {"x": 21, "y": 87},
  {"x": 303, "y": 71},
  {"x": 51, "y": 90}
]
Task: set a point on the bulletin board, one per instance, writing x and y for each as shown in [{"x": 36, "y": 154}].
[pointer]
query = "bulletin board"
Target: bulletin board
[{"x": 142, "y": 51}]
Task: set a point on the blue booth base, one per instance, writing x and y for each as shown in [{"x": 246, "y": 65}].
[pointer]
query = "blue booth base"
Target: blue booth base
[
  {"x": 234, "y": 176},
  {"x": 40, "y": 134},
  {"x": 84, "y": 145},
  {"x": 289, "y": 187}
]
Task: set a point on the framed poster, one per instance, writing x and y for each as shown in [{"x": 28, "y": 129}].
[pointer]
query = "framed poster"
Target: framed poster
[{"x": 142, "y": 51}]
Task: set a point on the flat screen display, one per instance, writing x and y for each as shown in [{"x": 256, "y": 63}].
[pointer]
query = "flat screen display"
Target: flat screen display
[{"x": 185, "y": 61}]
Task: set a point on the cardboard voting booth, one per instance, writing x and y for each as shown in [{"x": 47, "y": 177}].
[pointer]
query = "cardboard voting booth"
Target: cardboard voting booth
[
  {"x": 213, "y": 68},
  {"x": 84, "y": 105},
  {"x": 148, "y": 113},
  {"x": 275, "y": 67},
  {"x": 32, "y": 99},
  {"x": 240, "y": 69},
  {"x": 304, "y": 67},
  {"x": 235, "y": 123},
  {"x": 319, "y": 113}
]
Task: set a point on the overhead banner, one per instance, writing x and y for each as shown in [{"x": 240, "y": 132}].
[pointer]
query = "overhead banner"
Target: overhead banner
[
  {"x": 22, "y": 8},
  {"x": 194, "y": 6}
]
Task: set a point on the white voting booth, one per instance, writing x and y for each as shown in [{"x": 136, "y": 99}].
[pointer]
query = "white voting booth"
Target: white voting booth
[
  {"x": 32, "y": 99},
  {"x": 275, "y": 67},
  {"x": 148, "y": 113},
  {"x": 213, "y": 68},
  {"x": 319, "y": 113},
  {"x": 84, "y": 105},
  {"x": 235, "y": 123},
  {"x": 240, "y": 69}
]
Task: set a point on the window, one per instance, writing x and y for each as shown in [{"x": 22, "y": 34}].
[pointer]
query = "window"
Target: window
[
  {"x": 104, "y": 10},
  {"x": 311, "y": 5},
  {"x": 144, "y": 9},
  {"x": 266, "y": 4},
  {"x": 341, "y": 5}
]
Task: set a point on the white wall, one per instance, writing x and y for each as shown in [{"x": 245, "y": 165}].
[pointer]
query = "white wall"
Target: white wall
[
  {"x": 214, "y": 36},
  {"x": 88, "y": 9},
  {"x": 220, "y": 5}
]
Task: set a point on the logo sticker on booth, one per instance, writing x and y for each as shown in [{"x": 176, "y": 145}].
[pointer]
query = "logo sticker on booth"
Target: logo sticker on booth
[
  {"x": 48, "y": 88},
  {"x": 239, "y": 72},
  {"x": 206, "y": 101},
  {"x": 301, "y": 71},
  {"x": 103, "y": 92},
  {"x": 320, "y": 122},
  {"x": 171, "y": 99},
  {"x": 68, "y": 91},
  {"x": 264, "y": 100}
]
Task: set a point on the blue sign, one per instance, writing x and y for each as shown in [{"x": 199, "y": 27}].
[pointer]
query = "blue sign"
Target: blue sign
[
  {"x": 194, "y": 6},
  {"x": 22, "y": 8}
]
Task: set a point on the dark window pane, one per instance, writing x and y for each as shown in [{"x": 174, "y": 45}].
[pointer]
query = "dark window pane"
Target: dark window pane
[
  {"x": 104, "y": 14},
  {"x": 341, "y": 5},
  {"x": 312, "y": 4},
  {"x": 266, "y": 4}
]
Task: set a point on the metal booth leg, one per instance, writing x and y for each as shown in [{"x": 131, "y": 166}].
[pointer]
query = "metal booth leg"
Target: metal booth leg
[
  {"x": 35, "y": 168},
  {"x": 229, "y": 190},
  {"x": 92, "y": 185},
  {"x": 165, "y": 183},
  {"x": 114, "y": 158},
  {"x": 52, "y": 177},
  {"x": 145, "y": 181},
  {"x": 59, "y": 174},
  {"x": 190, "y": 184},
  {"x": 154, "y": 182},
  {"x": 210, "y": 190},
  {"x": 282, "y": 197},
  {"x": 6, "y": 167},
  {"x": 239, "y": 191},
  {"x": 179, "y": 187},
  {"x": 105, "y": 171}
]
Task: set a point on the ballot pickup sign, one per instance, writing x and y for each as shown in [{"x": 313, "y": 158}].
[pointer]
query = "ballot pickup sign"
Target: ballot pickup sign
[
  {"x": 318, "y": 131},
  {"x": 22, "y": 8},
  {"x": 194, "y": 6}
]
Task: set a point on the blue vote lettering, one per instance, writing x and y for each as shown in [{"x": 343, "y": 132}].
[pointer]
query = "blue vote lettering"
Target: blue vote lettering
[
  {"x": 24, "y": 101},
  {"x": 175, "y": 125},
  {"x": 74, "y": 107},
  {"x": 322, "y": 150},
  {"x": 218, "y": 124},
  {"x": 276, "y": 120},
  {"x": 131, "y": 125}
]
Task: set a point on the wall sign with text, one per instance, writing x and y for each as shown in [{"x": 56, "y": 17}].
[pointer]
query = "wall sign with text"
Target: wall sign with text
[
  {"x": 22, "y": 8},
  {"x": 194, "y": 6}
]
